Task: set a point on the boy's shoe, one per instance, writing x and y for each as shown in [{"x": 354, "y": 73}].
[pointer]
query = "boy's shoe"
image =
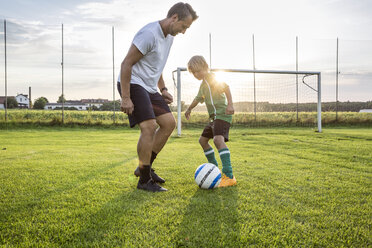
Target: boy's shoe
[
  {"x": 227, "y": 181},
  {"x": 153, "y": 175},
  {"x": 151, "y": 185}
]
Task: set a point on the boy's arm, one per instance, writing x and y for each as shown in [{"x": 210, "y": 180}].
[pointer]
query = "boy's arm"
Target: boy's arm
[
  {"x": 230, "y": 105},
  {"x": 188, "y": 111},
  {"x": 164, "y": 91}
]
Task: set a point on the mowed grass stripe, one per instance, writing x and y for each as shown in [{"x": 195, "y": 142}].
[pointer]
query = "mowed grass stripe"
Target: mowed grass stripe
[
  {"x": 328, "y": 150},
  {"x": 75, "y": 187}
]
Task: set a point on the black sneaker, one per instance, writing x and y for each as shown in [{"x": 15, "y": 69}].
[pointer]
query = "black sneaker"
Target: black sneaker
[
  {"x": 153, "y": 175},
  {"x": 150, "y": 186}
]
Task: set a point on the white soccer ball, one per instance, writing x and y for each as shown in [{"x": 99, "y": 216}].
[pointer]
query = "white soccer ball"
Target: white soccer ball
[{"x": 207, "y": 176}]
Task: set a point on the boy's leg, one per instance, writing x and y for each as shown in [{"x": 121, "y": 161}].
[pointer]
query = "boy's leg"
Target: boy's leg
[
  {"x": 224, "y": 155},
  {"x": 208, "y": 150},
  {"x": 206, "y": 135},
  {"x": 221, "y": 135}
]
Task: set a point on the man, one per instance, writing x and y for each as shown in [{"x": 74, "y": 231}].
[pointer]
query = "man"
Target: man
[{"x": 139, "y": 81}]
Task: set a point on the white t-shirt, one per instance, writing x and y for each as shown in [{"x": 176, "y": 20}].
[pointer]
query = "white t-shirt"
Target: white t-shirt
[{"x": 151, "y": 42}]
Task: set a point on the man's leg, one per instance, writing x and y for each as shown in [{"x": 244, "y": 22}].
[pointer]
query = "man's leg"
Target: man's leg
[
  {"x": 166, "y": 123},
  {"x": 144, "y": 146},
  {"x": 145, "y": 141}
]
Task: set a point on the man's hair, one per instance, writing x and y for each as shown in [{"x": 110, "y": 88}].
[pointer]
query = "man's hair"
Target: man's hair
[
  {"x": 197, "y": 63},
  {"x": 183, "y": 10}
]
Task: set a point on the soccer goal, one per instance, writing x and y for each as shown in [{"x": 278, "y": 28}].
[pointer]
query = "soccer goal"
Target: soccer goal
[{"x": 262, "y": 98}]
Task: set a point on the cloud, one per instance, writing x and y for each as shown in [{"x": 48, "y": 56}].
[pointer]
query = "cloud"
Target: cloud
[{"x": 118, "y": 13}]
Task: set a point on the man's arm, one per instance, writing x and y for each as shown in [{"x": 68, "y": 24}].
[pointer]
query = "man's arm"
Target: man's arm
[
  {"x": 164, "y": 92},
  {"x": 133, "y": 56},
  {"x": 230, "y": 105}
]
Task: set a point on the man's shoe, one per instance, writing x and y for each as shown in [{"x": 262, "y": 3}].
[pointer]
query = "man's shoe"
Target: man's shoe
[
  {"x": 227, "y": 181},
  {"x": 150, "y": 186},
  {"x": 153, "y": 175},
  {"x": 137, "y": 172}
]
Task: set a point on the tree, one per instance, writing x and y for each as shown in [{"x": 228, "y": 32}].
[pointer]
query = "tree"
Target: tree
[
  {"x": 61, "y": 99},
  {"x": 94, "y": 108},
  {"x": 46, "y": 100},
  {"x": 12, "y": 102},
  {"x": 40, "y": 103},
  {"x": 107, "y": 106}
]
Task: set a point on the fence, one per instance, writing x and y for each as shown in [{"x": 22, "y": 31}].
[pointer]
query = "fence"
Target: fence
[{"x": 92, "y": 54}]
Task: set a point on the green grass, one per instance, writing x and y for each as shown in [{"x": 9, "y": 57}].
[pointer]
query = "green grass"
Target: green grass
[
  {"x": 25, "y": 117},
  {"x": 71, "y": 187}
]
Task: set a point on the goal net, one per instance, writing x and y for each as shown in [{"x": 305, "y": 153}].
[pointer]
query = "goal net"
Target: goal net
[{"x": 262, "y": 98}]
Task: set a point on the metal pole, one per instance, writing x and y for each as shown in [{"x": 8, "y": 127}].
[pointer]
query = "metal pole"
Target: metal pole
[
  {"x": 254, "y": 80},
  {"x": 319, "y": 104},
  {"x": 179, "y": 124},
  {"x": 337, "y": 80},
  {"x": 6, "y": 77},
  {"x": 297, "y": 78},
  {"x": 113, "y": 69},
  {"x": 63, "y": 102},
  {"x": 210, "y": 50},
  {"x": 29, "y": 99}
]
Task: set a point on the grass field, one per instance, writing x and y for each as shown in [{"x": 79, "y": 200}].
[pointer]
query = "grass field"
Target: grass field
[{"x": 71, "y": 187}]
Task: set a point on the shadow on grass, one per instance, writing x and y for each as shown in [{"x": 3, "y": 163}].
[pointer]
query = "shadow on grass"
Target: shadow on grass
[
  {"x": 118, "y": 223},
  {"x": 210, "y": 220},
  {"x": 27, "y": 204}
]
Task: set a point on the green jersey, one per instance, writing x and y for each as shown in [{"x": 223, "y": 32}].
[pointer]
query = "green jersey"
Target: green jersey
[{"x": 213, "y": 94}]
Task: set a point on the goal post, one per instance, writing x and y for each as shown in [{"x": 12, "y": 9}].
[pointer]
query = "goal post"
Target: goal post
[{"x": 316, "y": 88}]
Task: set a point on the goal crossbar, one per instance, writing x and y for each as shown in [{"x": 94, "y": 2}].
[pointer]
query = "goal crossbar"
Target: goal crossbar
[{"x": 318, "y": 74}]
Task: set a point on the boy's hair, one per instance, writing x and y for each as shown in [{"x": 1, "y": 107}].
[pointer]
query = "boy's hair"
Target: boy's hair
[
  {"x": 197, "y": 63},
  {"x": 183, "y": 10}
]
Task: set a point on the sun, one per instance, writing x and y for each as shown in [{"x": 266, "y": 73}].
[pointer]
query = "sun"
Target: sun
[{"x": 221, "y": 76}]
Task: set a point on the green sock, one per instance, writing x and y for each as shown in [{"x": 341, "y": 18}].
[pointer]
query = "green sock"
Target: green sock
[
  {"x": 209, "y": 153},
  {"x": 226, "y": 163}
]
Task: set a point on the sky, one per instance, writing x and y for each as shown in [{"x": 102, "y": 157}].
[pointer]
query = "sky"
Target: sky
[{"x": 34, "y": 51}]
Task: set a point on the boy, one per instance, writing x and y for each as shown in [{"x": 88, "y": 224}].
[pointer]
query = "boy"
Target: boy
[{"x": 214, "y": 94}]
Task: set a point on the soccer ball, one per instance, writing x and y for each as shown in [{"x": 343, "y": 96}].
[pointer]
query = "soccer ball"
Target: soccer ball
[{"x": 207, "y": 176}]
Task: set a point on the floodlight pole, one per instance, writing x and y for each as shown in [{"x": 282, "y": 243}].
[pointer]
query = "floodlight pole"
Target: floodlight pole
[
  {"x": 337, "y": 80},
  {"x": 63, "y": 97},
  {"x": 179, "y": 105},
  {"x": 297, "y": 79},
  {"x": 6, "y": 77},
  {"x": 113, "y": 70},
  {"x": 254, "y": 80}
]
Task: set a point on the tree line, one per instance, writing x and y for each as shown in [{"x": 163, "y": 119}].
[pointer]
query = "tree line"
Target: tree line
[{"x": 238, "y": 106}]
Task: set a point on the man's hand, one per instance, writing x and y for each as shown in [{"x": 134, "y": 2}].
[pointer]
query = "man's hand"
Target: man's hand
[
  {"x": 168, "y": 98},
  {"x": 187, "y": 114},
  {"x": 127, "y": 105},
  {"x": 229, "y": 110}
]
